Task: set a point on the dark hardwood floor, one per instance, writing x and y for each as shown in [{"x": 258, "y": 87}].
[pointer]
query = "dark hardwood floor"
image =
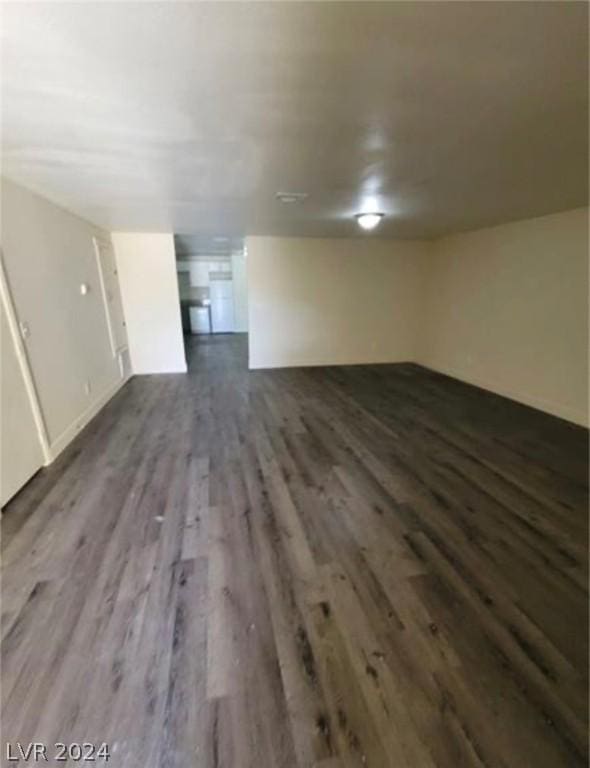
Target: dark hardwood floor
[{"x": 332, "y": 567}]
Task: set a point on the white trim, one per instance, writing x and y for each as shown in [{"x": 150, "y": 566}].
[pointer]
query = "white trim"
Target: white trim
[
  {"x": 561, "y": 410},
  {"x": 23, "y": 361},
  {"x": 163, "y": 371},
  {"x": 98, "y": 242},
  {"x": 103, "y": 290},
  {"x": 261, "y": 364},
  {"x": 66, "y": 437}
]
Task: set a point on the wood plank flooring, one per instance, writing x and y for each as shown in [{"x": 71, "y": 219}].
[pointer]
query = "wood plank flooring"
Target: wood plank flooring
[{"x": 331, "y": 567}]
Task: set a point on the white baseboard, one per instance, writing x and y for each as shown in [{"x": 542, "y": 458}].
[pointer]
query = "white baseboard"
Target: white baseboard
[
  {"x": 258, "y": 365},
  {"x": 561, "y": 410},
  {"x": 162, "y": 371},
  {"x": 66, "y": 437},
  {"x": 548, "y": 406}
]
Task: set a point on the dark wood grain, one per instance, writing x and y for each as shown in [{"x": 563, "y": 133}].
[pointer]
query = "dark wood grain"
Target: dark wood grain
[{"x": 331, "y": 567}]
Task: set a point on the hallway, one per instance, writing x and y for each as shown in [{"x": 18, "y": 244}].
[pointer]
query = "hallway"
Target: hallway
[{"x": 347, "y": 566}]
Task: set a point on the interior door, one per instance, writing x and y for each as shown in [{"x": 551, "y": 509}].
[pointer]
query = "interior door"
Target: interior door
[
  {"x": 111, "y": 294},
  {"x": 21, "y": 454},
  {"x": 222, "y": 306}
]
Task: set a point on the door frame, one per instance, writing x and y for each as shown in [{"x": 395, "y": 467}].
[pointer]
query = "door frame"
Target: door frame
[
  {"x": 98, "y": 242},
  {"x": 23, "y": 362}
]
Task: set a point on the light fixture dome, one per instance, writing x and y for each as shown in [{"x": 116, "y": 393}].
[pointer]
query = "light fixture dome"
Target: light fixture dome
[{"x": 368, "y": 220}]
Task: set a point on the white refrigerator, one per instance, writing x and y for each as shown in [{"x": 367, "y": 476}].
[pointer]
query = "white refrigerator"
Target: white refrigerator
[{"x": 221, "y": 294}]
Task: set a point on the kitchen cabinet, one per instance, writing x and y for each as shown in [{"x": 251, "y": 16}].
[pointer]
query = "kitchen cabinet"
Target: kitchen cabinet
[{"x": 199, "y": 274}]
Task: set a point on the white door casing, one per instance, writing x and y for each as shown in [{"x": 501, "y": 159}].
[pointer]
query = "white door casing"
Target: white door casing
[
  {"x": 24, "y": 445},
  {"x": 111, "y": 295}
]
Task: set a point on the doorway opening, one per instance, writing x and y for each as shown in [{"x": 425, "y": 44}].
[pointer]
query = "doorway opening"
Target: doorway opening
[{"x": 212, "y": 287}]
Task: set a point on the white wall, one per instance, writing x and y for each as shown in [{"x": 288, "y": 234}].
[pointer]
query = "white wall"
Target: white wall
[
  {"x": 48, "y": 252},
  {"x": 506, "y": 308},
  {"x": 322, "y": 302},
  {"x": 240, "y": 285},
  {"x": 149, "y": 288}
]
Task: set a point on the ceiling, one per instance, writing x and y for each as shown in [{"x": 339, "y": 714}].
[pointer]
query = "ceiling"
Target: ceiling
[
  {"x": 190, "y": 117},
  {"x": 207, "y": 245}
]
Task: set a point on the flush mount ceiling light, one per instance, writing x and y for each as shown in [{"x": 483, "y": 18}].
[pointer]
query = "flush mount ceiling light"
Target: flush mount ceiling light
[
  {"x": 291, "y": 197},
  {"x": 368, "y": 220}
]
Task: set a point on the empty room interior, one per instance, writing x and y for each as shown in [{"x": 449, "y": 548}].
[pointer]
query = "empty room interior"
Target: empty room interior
[{"x": 294, "y": 384}]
